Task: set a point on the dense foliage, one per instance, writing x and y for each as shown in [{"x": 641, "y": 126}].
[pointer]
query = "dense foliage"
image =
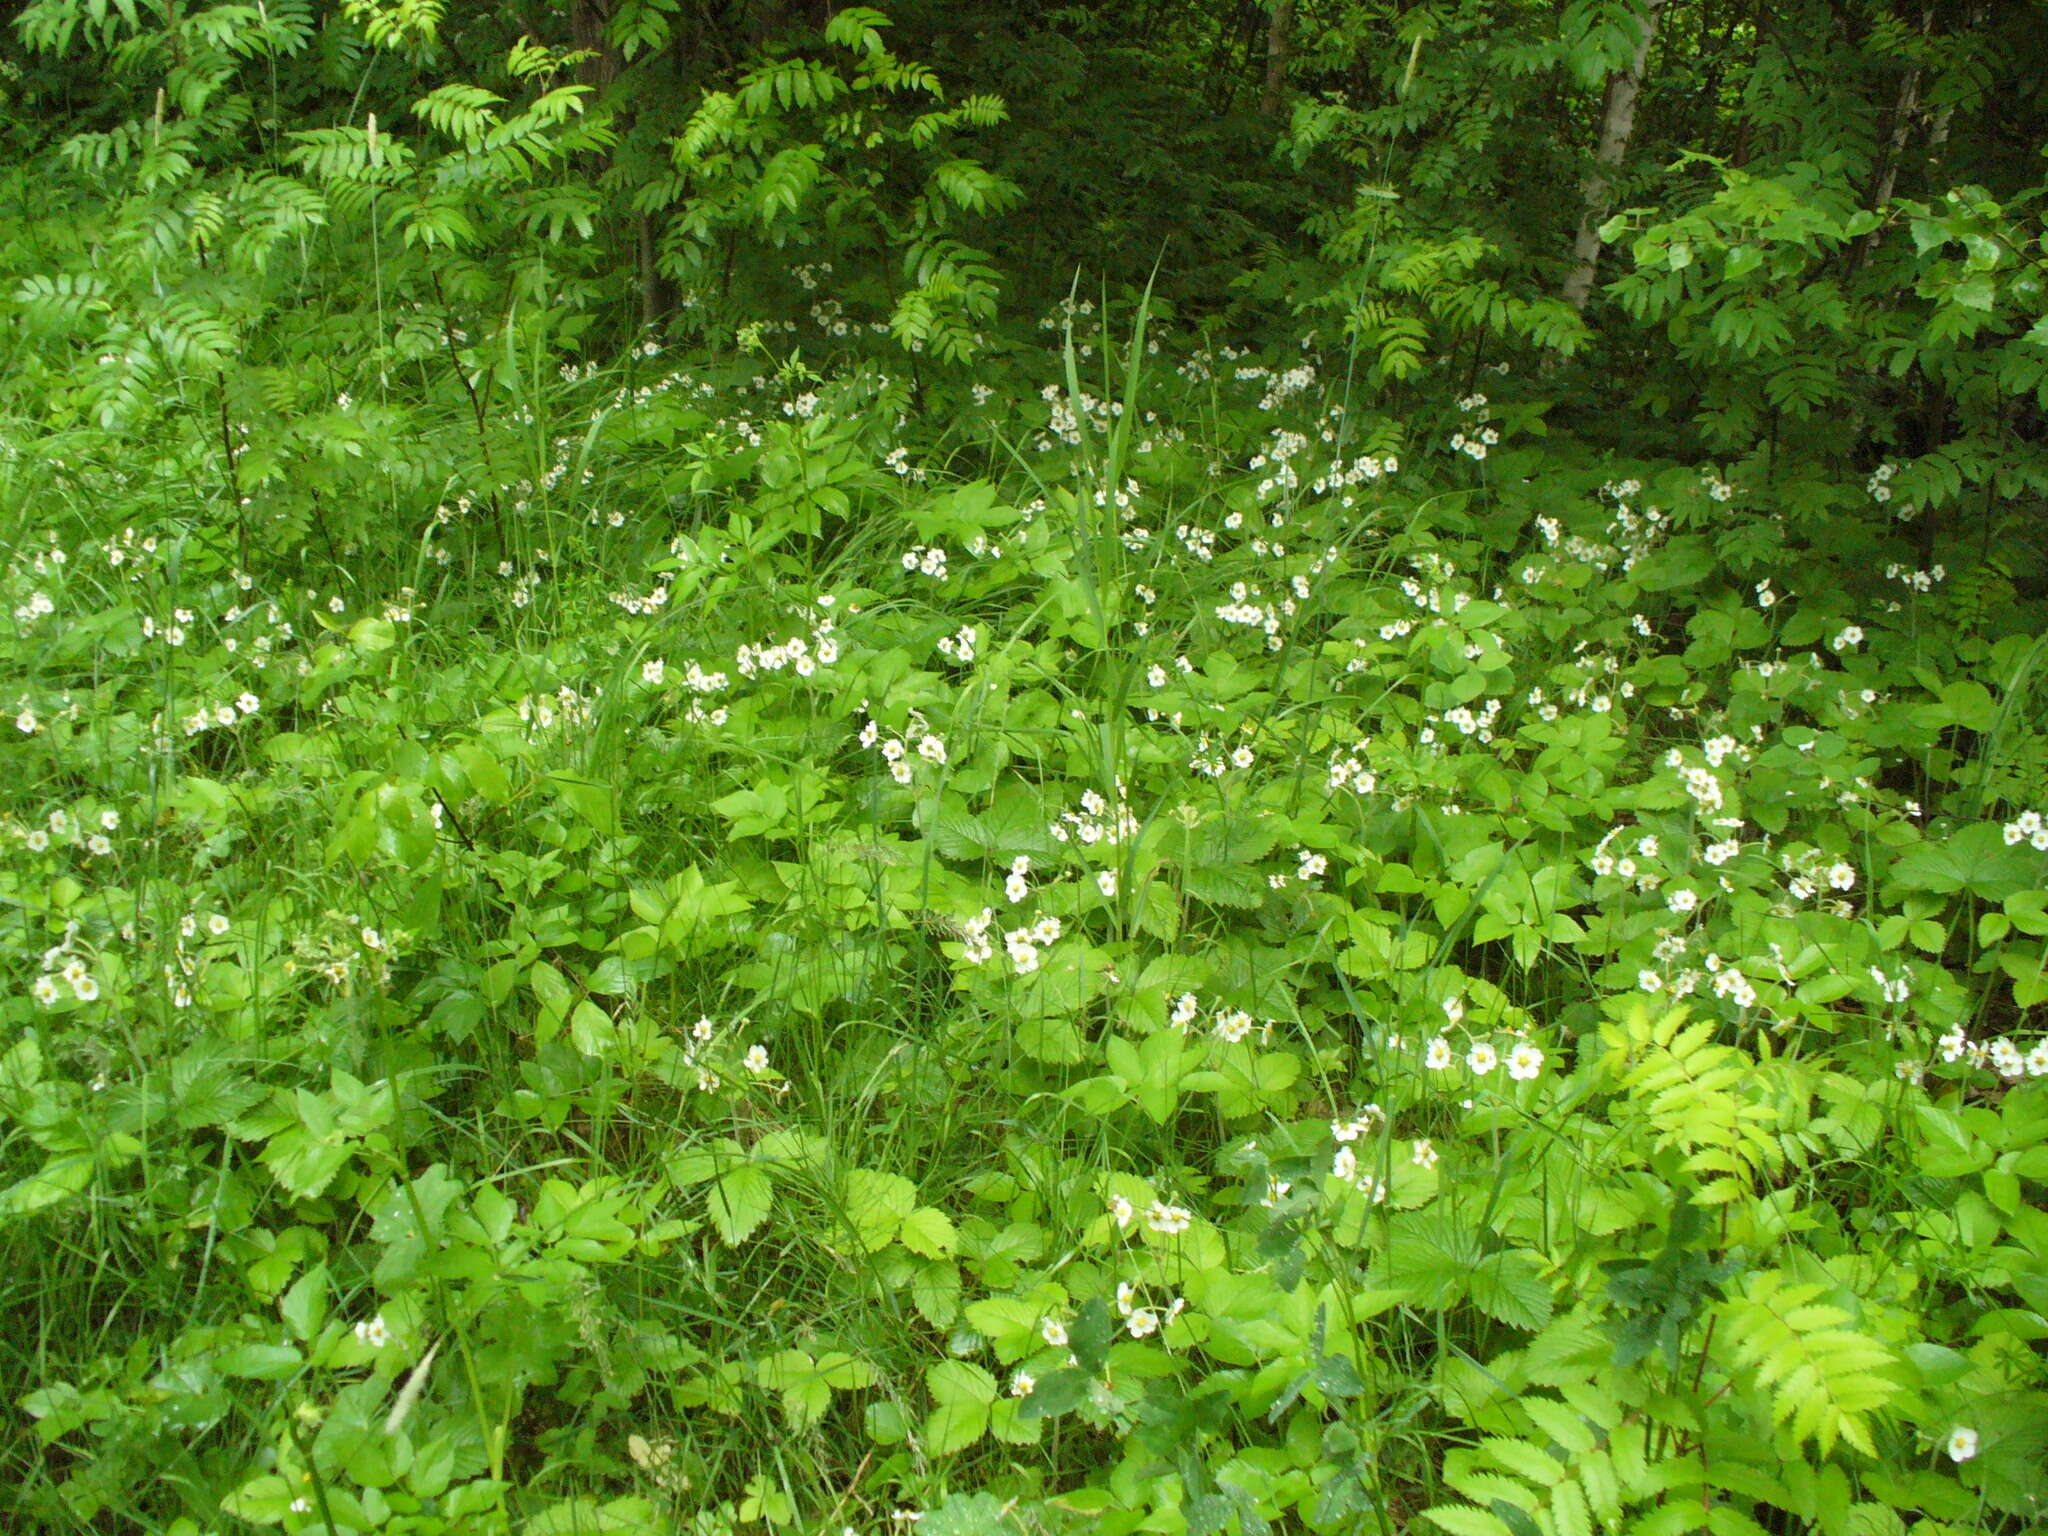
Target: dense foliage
[{"x": 1018, "y": 768}]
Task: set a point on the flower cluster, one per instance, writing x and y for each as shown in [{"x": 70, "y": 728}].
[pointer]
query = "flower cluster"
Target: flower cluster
[
  {"x": 897, "y": 751},
  {"x": 2028, "y": 827},
  {"x": 2000, "y": 1055},
  {"x": 1141, "y": 1322},
  {"x": 1474, "y": 443},
  {"x": 642, "y": 605},
  {"x": 221, "y": 716},
  {"x": 1482, "y": 1057},
  {"x": 1360, "y": 471},
  {"x": 1916, "y": 581},
  {"x": 1023, "y": 945},
  {"x": 1214, "y": 762},
  {"x": 703, "y": 1055},
  {"x": 564, "y": 707},
  {"x": 67, "y": 965},
  {"x": 799, "y": 654},
  {"x": 1097, "y": 821},
  {"x": 1351, "y": 771}
]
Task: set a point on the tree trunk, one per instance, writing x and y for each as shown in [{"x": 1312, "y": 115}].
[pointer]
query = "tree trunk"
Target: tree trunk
[
  {"x": 587, "y": 26},
  {"x": 652, "y": 304},
  {"x": 1937, "y": 131},
  {"x": 1617, "y": 125},
  {"x": 1279, "y": 54},
  {"x": 1904, "y": 110}
]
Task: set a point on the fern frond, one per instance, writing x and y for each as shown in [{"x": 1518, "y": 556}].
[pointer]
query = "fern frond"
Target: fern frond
[
  {"x": 790, "y": 83},
  {"x": 462, "y": 112},
  {"x": 1698, "y": 1096},
  {"x": 1580, "y": 1471},
  {"x": 858, "y": 29},
  {"x": 189, "y": 338},
  {"x": 1824, "y": 1378},
  {"x": 61, "y": 301}
]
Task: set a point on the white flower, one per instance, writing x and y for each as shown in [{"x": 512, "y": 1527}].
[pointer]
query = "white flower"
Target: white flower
[
  {"x": 1962, "y": 1444},
  {"x": 1054, "y": 1332},
  {"x": 1424, "y": 1155},
  {"x": 217, "y": 924},
  {"x": 373, "y": 1333},
  {"x": 1482, "y": 1058},
  {"x": 1232, "y": 1025},
  {"x": 1344, "y": 1166},
  {"x": 1438, "y": 1055},
  {"x": 1525, "y": 1061},
  {"x": 1121, "y": 1210},
  {"x": 1168, "y": 1220},
  {"x": 756, "y": 1059},
  {"x": 1023, "y": 1384},
  {"x": 1105, "y": 881}
]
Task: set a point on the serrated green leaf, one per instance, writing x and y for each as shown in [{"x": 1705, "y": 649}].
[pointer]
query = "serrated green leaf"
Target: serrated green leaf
[{"x": 740, "y": 1201}]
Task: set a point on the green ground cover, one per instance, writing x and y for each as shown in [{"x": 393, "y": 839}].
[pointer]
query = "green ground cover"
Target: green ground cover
[{"x": 872, "y": 915}]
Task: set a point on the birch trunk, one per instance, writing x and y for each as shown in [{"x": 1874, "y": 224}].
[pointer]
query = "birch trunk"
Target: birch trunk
[{"x": 1619, "y": 123}]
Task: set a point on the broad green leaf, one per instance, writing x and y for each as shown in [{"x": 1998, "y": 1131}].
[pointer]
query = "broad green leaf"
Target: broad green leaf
[
  {"x": 304, "y": 1306},
  {"x": 952, "y": 1427},
  {"x": 927, "y": 1231},
  {"x": 260, "y": 1362},
  {"x": 61, "y": 1177},
  {"x": 740, "y": 1201},
  {"x": 876, "y": 1205}
]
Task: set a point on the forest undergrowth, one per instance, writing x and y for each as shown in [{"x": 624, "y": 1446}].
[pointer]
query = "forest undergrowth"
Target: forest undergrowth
[{"x": 851, "y": 914}]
